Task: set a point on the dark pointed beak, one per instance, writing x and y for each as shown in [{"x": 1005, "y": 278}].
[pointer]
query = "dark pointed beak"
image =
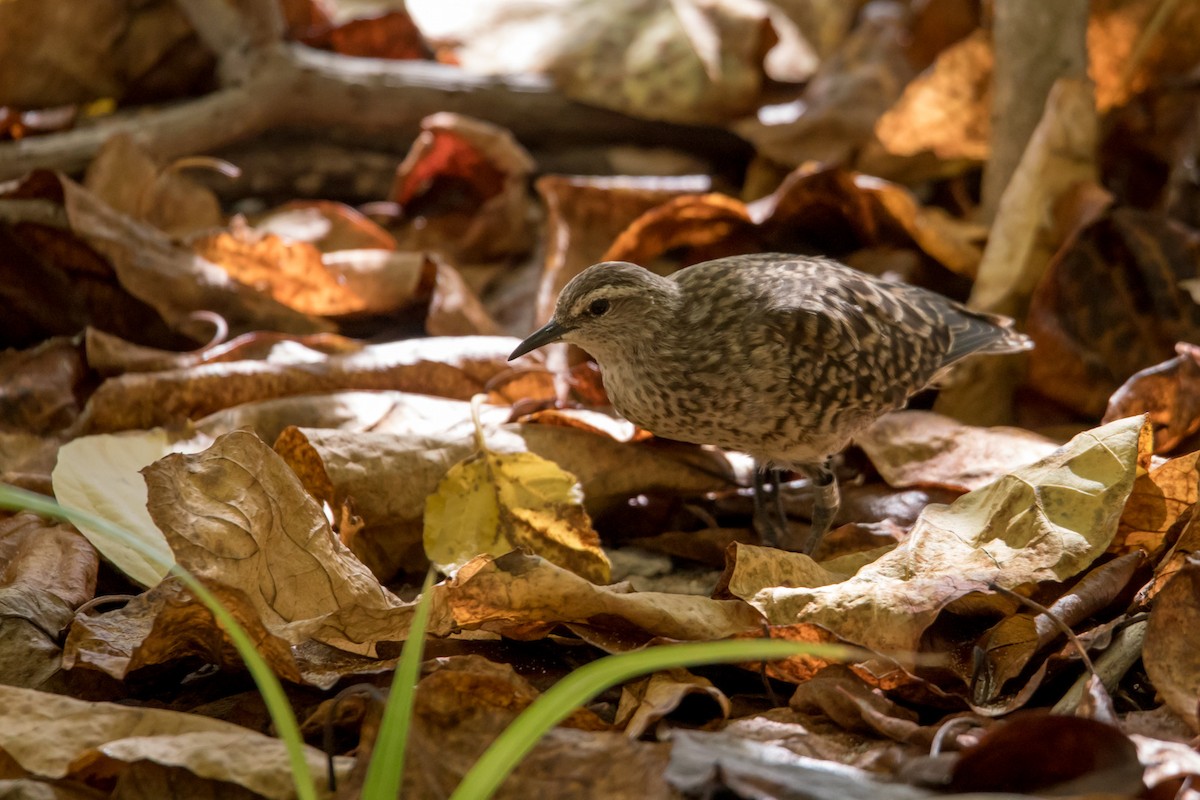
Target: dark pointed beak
[{"x": 550, "y": 332}]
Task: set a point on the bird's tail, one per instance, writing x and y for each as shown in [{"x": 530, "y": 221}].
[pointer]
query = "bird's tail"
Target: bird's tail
[{"x": 979, "y": 332}]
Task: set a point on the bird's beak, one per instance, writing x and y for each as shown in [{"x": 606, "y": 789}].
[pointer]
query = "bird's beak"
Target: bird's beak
[{"x": 550, "y": 332}]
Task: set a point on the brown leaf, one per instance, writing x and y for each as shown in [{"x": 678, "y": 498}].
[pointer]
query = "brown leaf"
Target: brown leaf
[
  {"x": 463, "y": 190},
  {"x": 235, "y": 514},
  {"x": 168, "y": 276},
  {"x": 1056, "y": 755},
  {"x": 326, "y": 225},
  {"x": 647, "y": 700},
  {"x": 290, "y": 272},
  {"x": 584, "y": 217},
  {"x": 52, "y": 736},
  {"x": 1158, "y": 500},
  {"x": 133, "y": 183},
  {"x": 517, "y": 591},
  {"x": 168, "y": 624},
  {"x": 391, "y": 35},
  {"x": 1112, "y": 304},
  {"x": 46, "y": 571},
  {"x": 455, "y": 310},
  {"x": 450, "y": 367},
  {"x": 38, "y": 393},
  {"x": 1169, "y": 653},
  {"x": 1169, "y": 392},
  {"x": 920, "y": 448}
]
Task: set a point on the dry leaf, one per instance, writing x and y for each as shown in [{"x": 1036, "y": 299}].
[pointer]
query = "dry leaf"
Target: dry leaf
[
  {"x": 496, "y": 502},
  {"x": 457, "y": 367},
  {"x": 647, "y": 700},
  {"x": 920, "y": 448},
  {"x": 52, "y": 737},
  {"x": 463, "y": 190},
  {"x": 38, "y": 393},
  {"x": 1045, "y": 521},
  {"x": 168, "y": 624},
  {"x": 1168, "y": 392},
  {"x": 133, "y": 183},
  {"x": 324, "y": 224},
  {"x": 235, "y": 514},
  {"x": 46, "y": 571},
  {"x": 1061, "y": 154},
  {"x": 1170, "y": 655},
  {"x": 1158, "y": 500},
  {"x": 519, "y": 592}
]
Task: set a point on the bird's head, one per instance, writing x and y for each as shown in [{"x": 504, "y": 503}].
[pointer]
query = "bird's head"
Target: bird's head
[{"x": 604, "y": 307}]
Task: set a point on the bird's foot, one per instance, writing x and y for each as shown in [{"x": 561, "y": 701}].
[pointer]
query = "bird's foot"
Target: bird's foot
[
  {"x": 827, "y": 499},
  {"x": 770, "y": 515}
]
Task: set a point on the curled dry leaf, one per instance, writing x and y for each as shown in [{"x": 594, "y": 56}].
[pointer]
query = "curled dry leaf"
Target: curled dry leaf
[
  {"x": 1045, "y": 521},
  {"x": 463, "y": 190},
  {"x": 291, "y": 272},
  {"x": 235, "y": 514},
  {"x": 920, "y": 448},
  {"x": 519, "y": 593},
  {"x": 946, "y": 110},
  {"x": 167, "y": 624},
  {"x": 648, "y": 700},
  {"x": 455, "y": 309},
  {"x": 324, "y": 224},
  {"x": 132, "y": 182},
  {"x": 825, "y": 210},
  {"x": 38, "y": 393},
  {"x": 1169, "y": 392},
  {"x": 51, "y": 735},
  {"x": 1159, "y": 499},
  {"x": 457, "y": 367}
]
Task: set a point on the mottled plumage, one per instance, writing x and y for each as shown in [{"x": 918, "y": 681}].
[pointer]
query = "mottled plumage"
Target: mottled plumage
[{"x": 782, "y": 357}]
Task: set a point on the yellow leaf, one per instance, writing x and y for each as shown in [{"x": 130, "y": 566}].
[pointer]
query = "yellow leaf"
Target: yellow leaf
[{"x": 497, "y": 502}]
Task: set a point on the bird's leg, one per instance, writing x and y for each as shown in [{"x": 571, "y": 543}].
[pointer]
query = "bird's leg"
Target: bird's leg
[
  {"x": 826, "y": 501},
  {"x": 771, "y": 523}
]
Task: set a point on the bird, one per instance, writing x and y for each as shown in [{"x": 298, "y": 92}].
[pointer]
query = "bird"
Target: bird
[{"x": 783, "y": 357}]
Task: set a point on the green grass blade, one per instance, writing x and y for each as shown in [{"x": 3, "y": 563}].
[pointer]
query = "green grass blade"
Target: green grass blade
[
  {"x": 385, "y": 774},
  {"x": 485, "y": 777},
  {"x": 268, "y": 684}
]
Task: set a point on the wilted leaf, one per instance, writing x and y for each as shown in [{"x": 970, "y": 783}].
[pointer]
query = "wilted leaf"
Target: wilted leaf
[
  {"x": 411, "y": 443},
  {"x": 494, "y": 502},
  {"x": 1045, "y": 521},
  {"x": 946, "y": 110},
  {"x": 920, "y": 448},
  {"x": 235, "y": 514},
  {"x": 454, "y": 309},
  {"x": 1071, "y": 753},
  {"x": 390, "y": 35},
  {"x": 168, "y": 276},
  {"x": 324, "y": 224},
  {"x": 1159, "y": 498},
  {"x": 38, "y": 393},
  {"x": 290, "y": 272}
]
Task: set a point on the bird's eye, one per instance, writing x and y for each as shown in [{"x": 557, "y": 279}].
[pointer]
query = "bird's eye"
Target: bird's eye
[{"x": 598, "y": 308}]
